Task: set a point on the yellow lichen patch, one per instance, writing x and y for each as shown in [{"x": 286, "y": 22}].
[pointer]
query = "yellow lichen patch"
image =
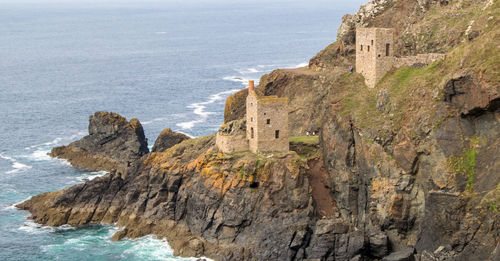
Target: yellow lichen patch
[
  {"x": 165, "y": 165},
  {"x": 293, "y": 166},
  {"x": 381, "y": 187}
]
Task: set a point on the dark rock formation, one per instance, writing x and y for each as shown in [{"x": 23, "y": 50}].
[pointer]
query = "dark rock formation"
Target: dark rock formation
[
  {"x": 112, "y": 143},
  {"x": 167, "y": 139},
  {"x": 402, "y": 255},
  {"x": 189, "y": 195}
]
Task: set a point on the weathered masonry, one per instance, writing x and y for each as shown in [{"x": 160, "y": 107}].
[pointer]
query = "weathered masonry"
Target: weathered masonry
[
  {"x": 267, "y": 122},
  {"x": 265, "y": 130},
  {"x": 375, "y": 54}
]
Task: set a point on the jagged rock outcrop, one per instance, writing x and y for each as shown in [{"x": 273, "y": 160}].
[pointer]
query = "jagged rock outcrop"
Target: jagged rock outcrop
[
  {"x": 112, "y": 143},
  {"x": 167, "y": 139}
]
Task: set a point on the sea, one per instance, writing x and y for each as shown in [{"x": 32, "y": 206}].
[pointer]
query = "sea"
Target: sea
[{"x": 167, "y": 63}]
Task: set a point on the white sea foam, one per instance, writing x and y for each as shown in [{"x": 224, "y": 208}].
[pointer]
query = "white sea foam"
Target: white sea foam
[
  {"x": 13, "y": 206},
  {"x": 10, "y": 207},
  {"x": 16, "y": 165},
  {"x": 239, "y": 79},
  {"x": 63, "y": 162},
  {"x": 5, "y": 157},
  {"x": 250, "y": 70},
  {"x": 92, "y": 175},
  {"x": 160, "y": 32},
  {"x": 59, "y": 140},
  {"x": 253, "y": 73},
  {"x": 151, "y": 248},
  {"x": 154, "y": 120},
  {"x": 40, "y": 155},
  {"x": 199, "y": 109},
  {"x": 190, "y": 136},
  {"x": 31, "y": 227},
  {"x": 83, "y": 242}
]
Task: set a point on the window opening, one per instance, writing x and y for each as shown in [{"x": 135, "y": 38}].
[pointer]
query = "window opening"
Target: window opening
[{"x": 277, "y": 134}]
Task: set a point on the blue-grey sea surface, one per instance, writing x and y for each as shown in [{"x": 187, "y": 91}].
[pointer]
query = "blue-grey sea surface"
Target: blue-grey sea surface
[{"x": 167, "y": 63}]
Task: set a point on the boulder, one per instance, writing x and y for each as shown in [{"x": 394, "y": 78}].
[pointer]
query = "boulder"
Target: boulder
[
  {"x": 167, "y": 139},
  {"x": 402, "y": 255},
  {"x": 378, "y": 244}
]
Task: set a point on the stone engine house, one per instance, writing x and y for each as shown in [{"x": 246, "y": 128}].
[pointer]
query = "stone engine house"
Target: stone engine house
[
  {"x": 266, "y": 127},
  {"x": 267, "y": 122},
  {"x": 375, "y": 54}
]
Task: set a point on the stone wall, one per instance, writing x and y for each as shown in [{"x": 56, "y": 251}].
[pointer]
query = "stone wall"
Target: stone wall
[
  {"x": 375, "y": 54},
  {"x": 228, "y": 144},
  {"x": 423, "y": 59}
]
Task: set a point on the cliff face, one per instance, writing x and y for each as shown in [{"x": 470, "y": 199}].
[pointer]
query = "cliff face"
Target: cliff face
[
  {"x": 408, "y": 168},
  {"x": 233, "y": 207},
  {"x": 416, "y": 157},
  {"x": 112, "y": 143}
]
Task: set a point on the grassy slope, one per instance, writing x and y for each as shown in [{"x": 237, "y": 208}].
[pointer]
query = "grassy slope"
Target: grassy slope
[{"x": 421, "y": 89}]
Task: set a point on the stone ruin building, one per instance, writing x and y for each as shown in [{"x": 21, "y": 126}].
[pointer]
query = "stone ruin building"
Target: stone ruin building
[
  {"x": 375, "y": 54},
  {"x": 265, "y": 128}
]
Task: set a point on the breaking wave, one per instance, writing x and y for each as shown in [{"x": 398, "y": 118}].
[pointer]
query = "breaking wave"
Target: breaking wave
[
  {"x": 16, "y": 165},
  {"x": 199, "y": 109}
]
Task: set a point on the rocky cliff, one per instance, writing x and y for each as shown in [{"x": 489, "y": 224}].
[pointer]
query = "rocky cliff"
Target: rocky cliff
[
  {"x": 416, "y": 157},
  {"x": 112, "y": 143},
  {"x": 406, "y": 170}
]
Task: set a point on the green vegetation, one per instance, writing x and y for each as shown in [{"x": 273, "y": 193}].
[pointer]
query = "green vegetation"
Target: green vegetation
[
  {"x": 416, "y": 91},
  {"x": 305, "y": 139},
  {"x": 492, "y": 200},
  {"x": 465, "y": 164},
  {"x": 306, "y": 147},
  {"x": 242, "y": 172}
]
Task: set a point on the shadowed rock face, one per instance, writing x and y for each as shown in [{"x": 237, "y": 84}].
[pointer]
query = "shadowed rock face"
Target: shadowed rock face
[
  {"x": 167, "y": 139},
  {"x": 112, "y": 143}
]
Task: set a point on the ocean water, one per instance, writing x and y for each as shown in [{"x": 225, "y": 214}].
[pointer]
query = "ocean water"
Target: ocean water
[{"x": 167, "y": 63}]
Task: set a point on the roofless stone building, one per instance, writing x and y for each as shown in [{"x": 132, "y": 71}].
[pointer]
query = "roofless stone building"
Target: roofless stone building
[{"x": 375, "y": 54}]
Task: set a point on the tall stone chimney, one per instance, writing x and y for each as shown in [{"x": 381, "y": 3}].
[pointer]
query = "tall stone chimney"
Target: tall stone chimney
[{"x": 250, "y": 86}]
